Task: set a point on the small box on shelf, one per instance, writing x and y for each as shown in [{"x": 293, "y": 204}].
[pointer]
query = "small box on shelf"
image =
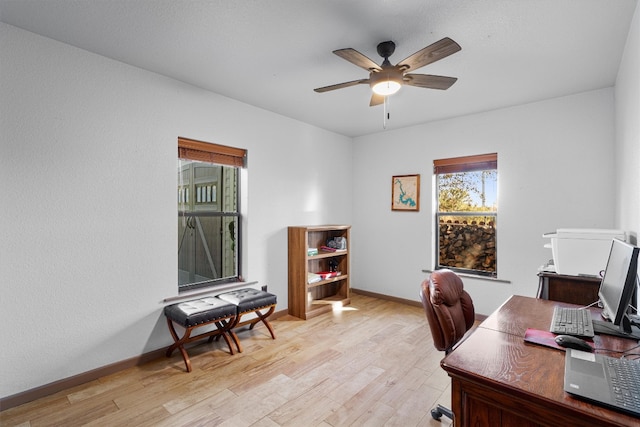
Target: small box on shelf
[{"x": 324, "y": 275}]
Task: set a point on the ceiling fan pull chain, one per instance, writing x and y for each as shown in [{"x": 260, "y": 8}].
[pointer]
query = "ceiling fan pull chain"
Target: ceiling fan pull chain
[{"x": 386, "y": 116}]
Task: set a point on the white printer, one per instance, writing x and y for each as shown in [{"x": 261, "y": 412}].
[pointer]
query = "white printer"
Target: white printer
[{"x": 581, "y": 251}]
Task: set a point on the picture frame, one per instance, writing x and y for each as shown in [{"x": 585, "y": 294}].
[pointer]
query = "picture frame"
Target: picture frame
[{"x": 405, "y": 193}]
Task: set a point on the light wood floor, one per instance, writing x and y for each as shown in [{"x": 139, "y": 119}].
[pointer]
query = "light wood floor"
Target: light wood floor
[{"x": 371, "y": 364}]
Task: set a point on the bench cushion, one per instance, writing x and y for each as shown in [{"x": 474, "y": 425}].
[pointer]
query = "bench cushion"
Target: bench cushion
[
  {"x": 248, "y": 299},
  {"x": 196, "y": 312}
]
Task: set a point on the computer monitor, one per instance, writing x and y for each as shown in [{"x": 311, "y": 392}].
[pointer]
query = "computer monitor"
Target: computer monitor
[{"x": 618, "y": 286}]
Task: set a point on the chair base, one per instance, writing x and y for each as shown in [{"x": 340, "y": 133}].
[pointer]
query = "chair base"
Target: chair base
[{"x": 439, "y": 411}]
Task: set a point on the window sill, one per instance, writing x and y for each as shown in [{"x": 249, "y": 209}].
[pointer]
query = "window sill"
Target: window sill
[
  {"x": 474, "y": 276},
  {"x": 210, "y": 290}
]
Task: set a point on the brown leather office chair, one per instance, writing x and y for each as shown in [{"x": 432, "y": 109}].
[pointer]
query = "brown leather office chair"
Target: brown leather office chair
[{"x": 450, "y": 314}]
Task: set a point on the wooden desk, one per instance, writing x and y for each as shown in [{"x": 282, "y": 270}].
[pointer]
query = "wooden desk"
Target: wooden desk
[
  {"x": 498, "y": 379},
  {"x": 581, "y": 290}
]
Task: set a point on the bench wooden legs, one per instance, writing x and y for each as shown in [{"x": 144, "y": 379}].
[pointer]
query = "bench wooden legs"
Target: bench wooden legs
[
  {"x": 223, "y": 329},
  {"x": 263, "y": 318},
  {"x": 252, "y": 322}
]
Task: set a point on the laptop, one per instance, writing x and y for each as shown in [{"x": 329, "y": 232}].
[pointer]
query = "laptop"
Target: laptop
[{"x": 589, "y": 376}]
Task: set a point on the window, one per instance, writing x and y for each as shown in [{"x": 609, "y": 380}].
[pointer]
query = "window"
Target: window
[
  {"x": 466, "y": 214},
  {"x": 209, "y": 221}
]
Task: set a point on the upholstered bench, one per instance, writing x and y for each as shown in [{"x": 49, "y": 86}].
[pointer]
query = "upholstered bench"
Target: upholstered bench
[
  {"x": 247, "y": 301},
  {"x": 197, "y": 313}
]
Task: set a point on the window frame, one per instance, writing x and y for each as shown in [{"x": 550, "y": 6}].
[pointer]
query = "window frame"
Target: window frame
[
  {"x": 221, "y": 155},
  {"x": 461, "y": 165}
]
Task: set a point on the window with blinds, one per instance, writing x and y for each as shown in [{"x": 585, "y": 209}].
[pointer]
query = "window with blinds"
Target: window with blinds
[
  {"x": 209, "y": 219},
  {"x": 466, "y": 213}
]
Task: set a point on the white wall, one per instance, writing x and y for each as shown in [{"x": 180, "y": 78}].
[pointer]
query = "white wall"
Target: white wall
[
  {"x": 627, "y": 95},
  {"x": 88, "y": 182},
  {"x": 555, "y": 169}
]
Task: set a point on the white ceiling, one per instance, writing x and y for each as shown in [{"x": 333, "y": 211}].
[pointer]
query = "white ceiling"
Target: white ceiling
[{"x": 272, "y": 54}]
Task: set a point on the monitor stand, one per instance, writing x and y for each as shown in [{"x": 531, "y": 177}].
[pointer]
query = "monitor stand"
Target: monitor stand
[{"x": 601, "y": 327}]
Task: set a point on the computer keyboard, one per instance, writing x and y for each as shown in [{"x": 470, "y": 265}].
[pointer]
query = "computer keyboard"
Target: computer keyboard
[
  {"x": 624, "y": 380},
  {"x": 572, "y": 321}
]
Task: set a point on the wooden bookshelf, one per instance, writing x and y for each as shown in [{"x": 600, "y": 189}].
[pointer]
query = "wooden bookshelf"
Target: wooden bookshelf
[{"x": 307, "y": 300}]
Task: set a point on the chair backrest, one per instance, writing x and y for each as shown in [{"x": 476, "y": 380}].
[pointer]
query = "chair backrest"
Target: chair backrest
[{"x": 448, "y": 307}]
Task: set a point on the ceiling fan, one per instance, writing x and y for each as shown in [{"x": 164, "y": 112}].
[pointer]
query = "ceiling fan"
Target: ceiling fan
[{"x": 387, "y": 79}]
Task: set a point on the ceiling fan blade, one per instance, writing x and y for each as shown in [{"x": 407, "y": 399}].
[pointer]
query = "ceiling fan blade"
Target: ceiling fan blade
[
  {"x": 341, "y": 85},
  {"x": 357, "y": 58},
  {"x": 432, "y": 53},
  {"x": 429, "y": 81},
  {"x": 376, "y": 100}
]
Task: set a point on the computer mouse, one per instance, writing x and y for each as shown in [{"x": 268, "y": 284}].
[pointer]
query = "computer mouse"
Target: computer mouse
[{"x": 576, "y": 343}]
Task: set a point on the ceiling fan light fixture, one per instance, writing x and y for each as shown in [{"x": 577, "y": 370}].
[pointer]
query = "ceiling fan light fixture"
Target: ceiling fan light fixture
[
  {"x": 386, "y": 87},
  {"x": 386, "y": 82}
]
